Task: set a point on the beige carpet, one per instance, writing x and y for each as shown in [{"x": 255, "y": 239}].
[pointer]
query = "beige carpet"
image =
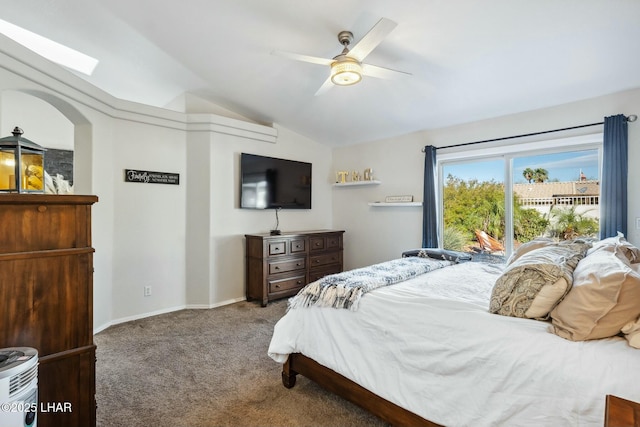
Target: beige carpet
[{"x": 207, "y": 368}]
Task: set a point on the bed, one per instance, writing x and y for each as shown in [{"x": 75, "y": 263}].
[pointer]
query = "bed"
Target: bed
[{"x": 432, "y": 349}]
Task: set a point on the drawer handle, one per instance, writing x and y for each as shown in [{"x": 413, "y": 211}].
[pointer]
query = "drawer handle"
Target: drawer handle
[
  {"x": 299, "y": 282},
  {"x": 317, "y": 261},
  {"x": 298, "y": 264},
  {"x": 276, "y": 268},
  {"x": 277, "y": 286},
  {"x": 317, "y": 243}
]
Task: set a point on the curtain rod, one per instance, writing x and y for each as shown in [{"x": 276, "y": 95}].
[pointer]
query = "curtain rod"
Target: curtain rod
[{"x": 631, "y": 118}]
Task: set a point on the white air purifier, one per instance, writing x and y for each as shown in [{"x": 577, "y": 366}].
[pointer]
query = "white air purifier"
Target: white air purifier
[{"x": 18, "y": 387}]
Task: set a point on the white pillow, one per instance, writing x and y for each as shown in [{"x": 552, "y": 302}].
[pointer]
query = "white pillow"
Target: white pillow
[
  {"x": 631, "y": 332},
  {"x": 617, "y": 244},
  {"x": 605, "y": 297}
]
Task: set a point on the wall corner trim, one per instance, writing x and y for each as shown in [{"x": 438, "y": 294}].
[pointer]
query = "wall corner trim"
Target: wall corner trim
[{"x": 229, "y": 126}]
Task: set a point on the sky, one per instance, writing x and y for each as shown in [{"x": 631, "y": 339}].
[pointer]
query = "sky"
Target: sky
[{"x": 560, "y": 167}]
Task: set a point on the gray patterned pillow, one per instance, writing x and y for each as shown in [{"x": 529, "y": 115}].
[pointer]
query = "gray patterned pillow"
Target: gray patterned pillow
[
  {"x": 437, "y": 253},
  {"x": 533, "y": 284}
]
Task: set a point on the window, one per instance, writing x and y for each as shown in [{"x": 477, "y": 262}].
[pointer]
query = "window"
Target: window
[
  {"x": 53, "y": 51},
  {"x": 551, "y": 192}
]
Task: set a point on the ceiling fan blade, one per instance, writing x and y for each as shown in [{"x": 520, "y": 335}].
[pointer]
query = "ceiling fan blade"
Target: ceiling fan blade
[
  {"x": 382, "y": 73},
  {"x": 372, "y": 39},
  {"x": 304, "y": 58},
  {"x": 328, "y": 84}
]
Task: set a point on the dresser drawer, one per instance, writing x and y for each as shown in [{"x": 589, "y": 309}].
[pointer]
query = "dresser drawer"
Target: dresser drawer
[
  {"x": 297, "y": 246},
  {"x": 288, "y": 284},
  {"x": 334, "y": 242},
  {"x": 277, "y": 248},
  {"x": 330, "y": 242},
  {"x": 287, "y": 247},
  {"x": 317, "y": 243},
  {"x": 276, "y": 267},
  {"x": 326, "y": 259}
]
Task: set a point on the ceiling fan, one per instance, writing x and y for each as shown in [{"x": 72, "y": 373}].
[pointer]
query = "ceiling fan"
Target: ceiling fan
[{"x": 347, "y": 67}]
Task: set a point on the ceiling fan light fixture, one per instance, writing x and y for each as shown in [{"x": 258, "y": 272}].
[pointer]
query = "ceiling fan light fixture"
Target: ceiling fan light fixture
[{"x": 346, "y": 72}]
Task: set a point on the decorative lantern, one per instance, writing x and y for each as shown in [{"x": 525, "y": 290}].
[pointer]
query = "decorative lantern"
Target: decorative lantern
[{"x": 21, "y": 164}]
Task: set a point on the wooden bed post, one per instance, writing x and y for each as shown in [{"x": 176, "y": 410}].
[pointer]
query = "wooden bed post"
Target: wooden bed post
[{"x": 288, "y": 374}]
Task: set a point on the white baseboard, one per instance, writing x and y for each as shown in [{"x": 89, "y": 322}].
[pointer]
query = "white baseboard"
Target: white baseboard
[
  {"x": 164, "y": 311},
  {"x": 218, "y": 304}
]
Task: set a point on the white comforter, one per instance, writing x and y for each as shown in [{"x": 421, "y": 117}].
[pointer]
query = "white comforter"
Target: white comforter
[{"x": 431, "y": 346}]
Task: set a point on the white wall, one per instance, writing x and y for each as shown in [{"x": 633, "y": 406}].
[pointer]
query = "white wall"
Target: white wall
[
  {"x": 216, "y": 228},
  {"x": 143, "y": 233},
  {"x": 149, "y": 220},
  {"x": 375, "y": 234}
]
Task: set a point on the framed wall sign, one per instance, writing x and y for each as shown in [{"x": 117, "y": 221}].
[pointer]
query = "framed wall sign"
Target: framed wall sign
[{"x": 151, "y": 177}]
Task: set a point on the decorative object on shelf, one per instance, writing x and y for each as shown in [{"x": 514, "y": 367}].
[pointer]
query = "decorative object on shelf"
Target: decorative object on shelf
[
  {"x": 21, "y": 164},
  {"x": 398, "y": 199},
  {"x": 56, "y": 184},
  {"x": 342, "y": 177},
  {"x": 368, "y": 174}
]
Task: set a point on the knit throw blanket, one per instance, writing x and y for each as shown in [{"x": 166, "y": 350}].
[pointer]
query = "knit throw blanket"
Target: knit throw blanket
[{"x": 344, "y": 290}]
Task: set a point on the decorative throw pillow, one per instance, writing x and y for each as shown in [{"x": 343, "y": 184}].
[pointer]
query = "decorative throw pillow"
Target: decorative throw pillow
[
  {"x": 631, "y": 332},
  {"x": 617, "y": 243},
  {"x": 437, "y": 253},
  {"x": 534, "y": 283},
  {"x": 538, "y": 243},
  {"x": 605, "y": 297}
]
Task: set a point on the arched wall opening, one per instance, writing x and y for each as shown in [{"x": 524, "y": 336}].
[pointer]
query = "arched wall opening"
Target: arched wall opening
[{"x": 54, "y": 124}]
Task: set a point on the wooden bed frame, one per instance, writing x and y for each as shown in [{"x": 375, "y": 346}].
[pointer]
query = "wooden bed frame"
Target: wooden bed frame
[
  {"x": 330, "y": 380},
  {"x": 618, "y": 412}
]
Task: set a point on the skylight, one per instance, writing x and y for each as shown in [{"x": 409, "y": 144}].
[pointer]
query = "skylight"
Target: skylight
[{"x": 53, "y": 51}]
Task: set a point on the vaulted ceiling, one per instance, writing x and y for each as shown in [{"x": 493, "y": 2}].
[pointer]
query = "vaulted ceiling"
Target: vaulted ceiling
[{"x": 468, "y": 59}]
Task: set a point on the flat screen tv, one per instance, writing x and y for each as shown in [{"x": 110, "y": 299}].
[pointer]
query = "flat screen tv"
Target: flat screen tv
[{"x": 272, "y": 183}]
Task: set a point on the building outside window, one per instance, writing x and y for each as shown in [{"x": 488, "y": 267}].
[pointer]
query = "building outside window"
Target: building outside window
[{"x": 551, "y": 192}]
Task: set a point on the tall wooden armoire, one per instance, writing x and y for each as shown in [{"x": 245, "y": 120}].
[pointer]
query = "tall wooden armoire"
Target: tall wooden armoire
[{"x": 46, "y": 294}]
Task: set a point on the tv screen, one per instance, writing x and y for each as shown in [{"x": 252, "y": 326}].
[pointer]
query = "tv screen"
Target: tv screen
[{"x": 271, "y": 183}]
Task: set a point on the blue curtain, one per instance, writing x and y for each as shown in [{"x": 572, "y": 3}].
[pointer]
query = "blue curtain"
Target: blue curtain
[
  {"x": 429, "y": 206},
  {"x": 613, "y": 192}
]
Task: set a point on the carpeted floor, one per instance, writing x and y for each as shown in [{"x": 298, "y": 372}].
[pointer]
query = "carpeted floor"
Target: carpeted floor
[{"x": 207, "y": 368}]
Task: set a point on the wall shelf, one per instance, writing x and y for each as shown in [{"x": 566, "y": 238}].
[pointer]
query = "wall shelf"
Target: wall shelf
[
  {"x": 401, "y": 204},
  {"x": 356, "y": 183}
]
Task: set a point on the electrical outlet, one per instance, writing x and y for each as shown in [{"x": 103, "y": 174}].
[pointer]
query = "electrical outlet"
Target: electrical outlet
[
  {"x": 147, "y": 291},
  {"x": 637, "y": 223}
]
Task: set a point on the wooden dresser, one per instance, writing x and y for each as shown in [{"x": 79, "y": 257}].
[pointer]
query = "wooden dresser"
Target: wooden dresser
[
  {"x": 279, "y": 266},
  {"x": 46, "y": 289}
]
